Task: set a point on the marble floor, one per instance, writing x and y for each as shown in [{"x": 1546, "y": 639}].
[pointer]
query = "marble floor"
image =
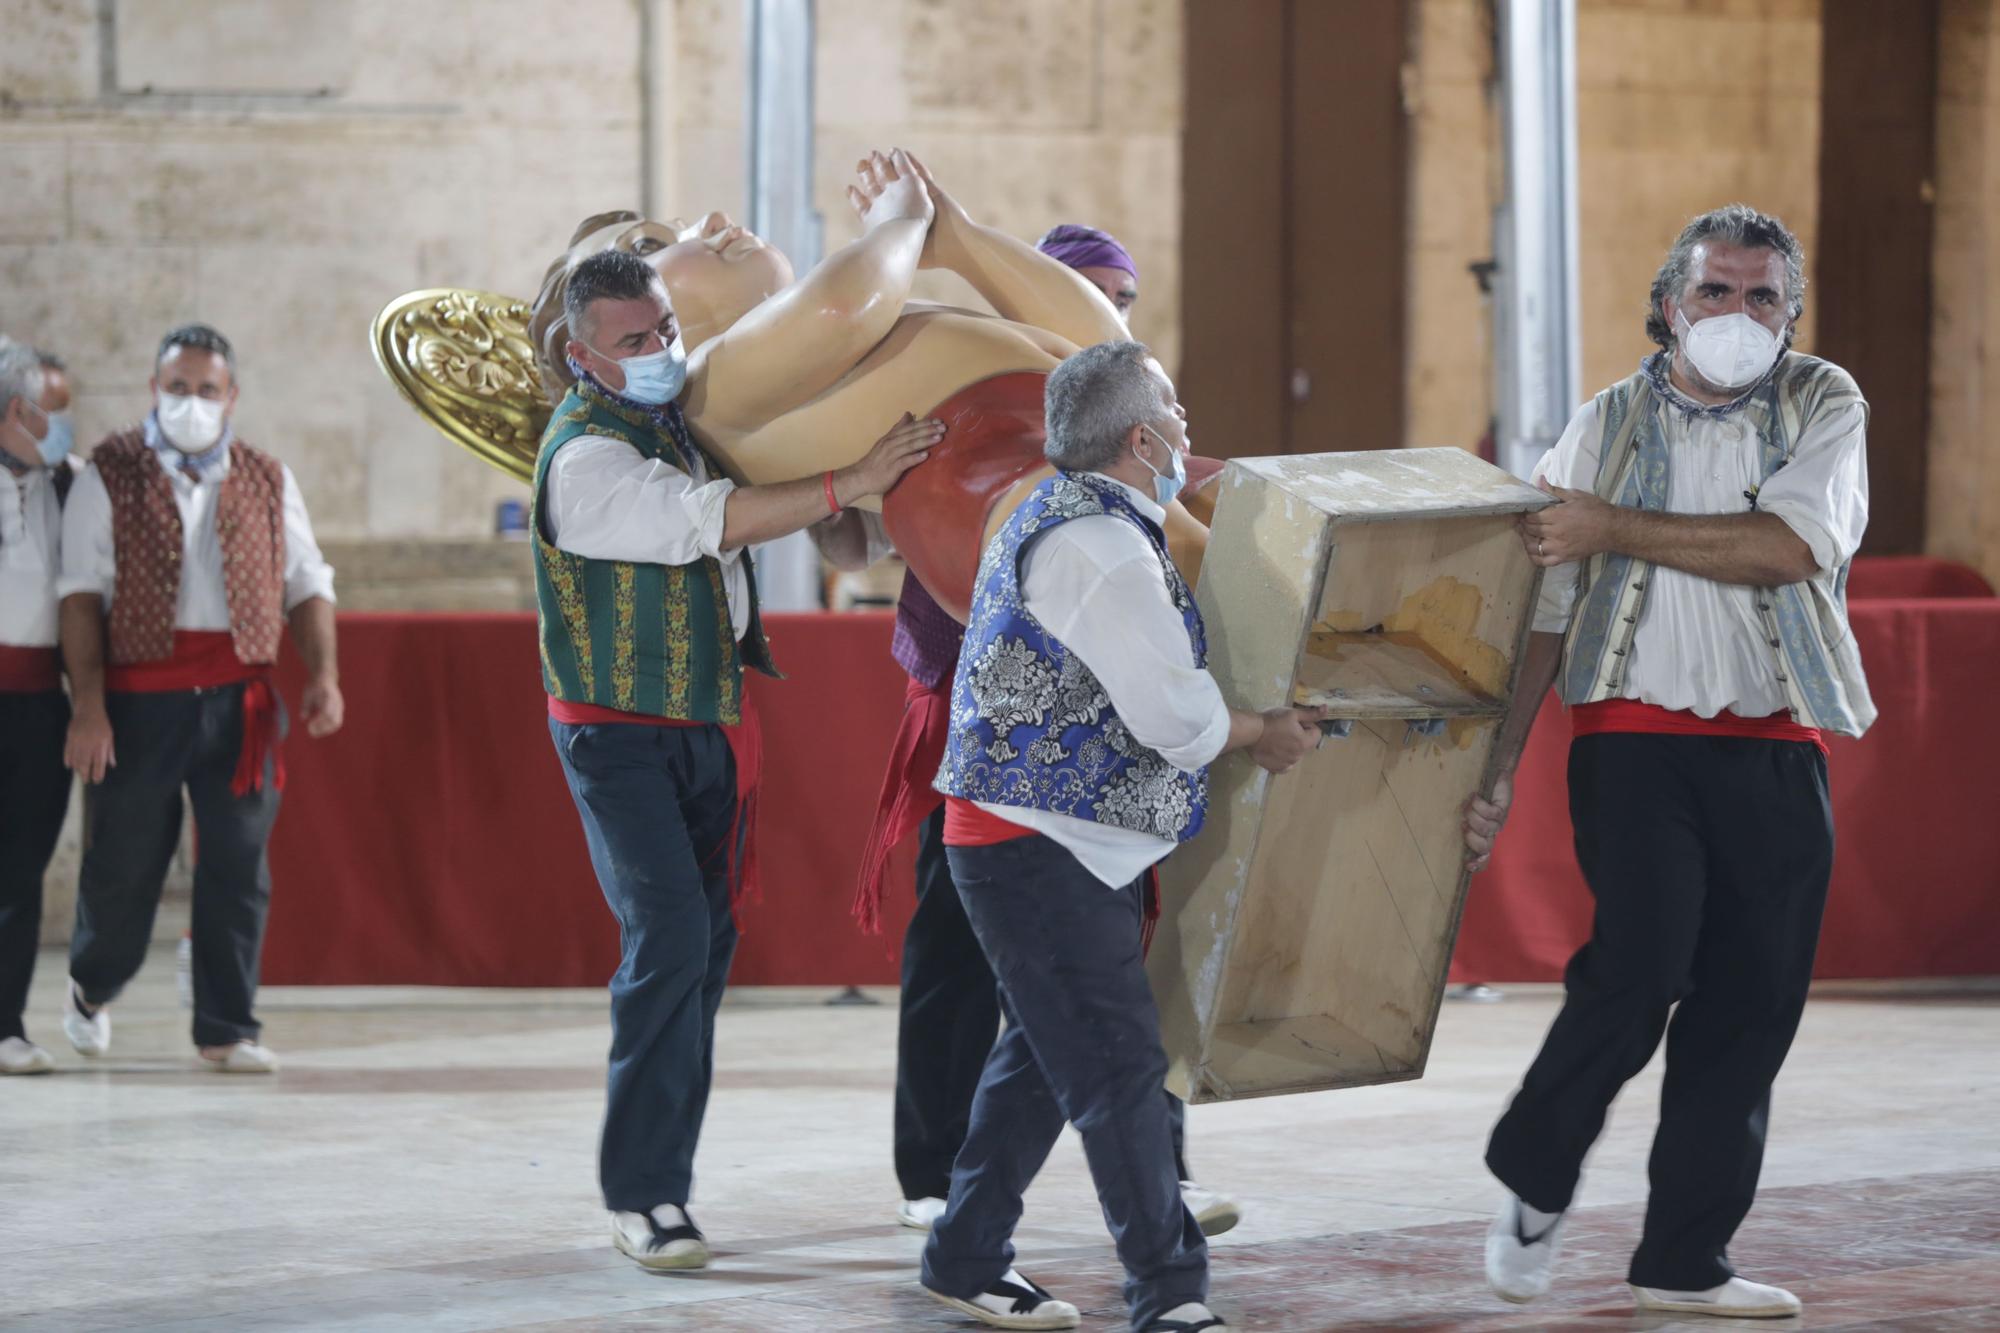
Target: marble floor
[{"x": 426, "y": 1162}]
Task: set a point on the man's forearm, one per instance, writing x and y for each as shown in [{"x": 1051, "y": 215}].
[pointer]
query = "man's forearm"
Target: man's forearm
[
  {"x": 1539, "y": 664},
  {"x": 81, "y": 621},
  {"x": 313, "y": 632},
  {"x": 755, "y": 514},
  {"x": 842, "y": 540},
  {"x": 1756, "y": 550}
]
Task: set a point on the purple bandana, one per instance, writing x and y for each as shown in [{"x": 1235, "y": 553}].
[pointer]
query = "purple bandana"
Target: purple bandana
[{"x": 1086, "y": 247}]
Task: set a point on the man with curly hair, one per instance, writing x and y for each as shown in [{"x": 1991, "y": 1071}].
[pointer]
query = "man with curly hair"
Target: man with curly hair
[{"x": 1082, "y": 726}]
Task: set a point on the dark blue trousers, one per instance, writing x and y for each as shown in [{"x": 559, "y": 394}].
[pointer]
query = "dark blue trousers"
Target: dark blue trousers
[
  {"x": 34, "y": 793},
  {"x": 1082, "y": 1045},
  {"x": 658, "y": 807}
]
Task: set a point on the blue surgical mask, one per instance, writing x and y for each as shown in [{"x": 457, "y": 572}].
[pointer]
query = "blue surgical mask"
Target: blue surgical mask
[
  {"x": 57, "y": 442},
  {"x": 656, "y": 378},
  {"x": 1166, "y": 485}
]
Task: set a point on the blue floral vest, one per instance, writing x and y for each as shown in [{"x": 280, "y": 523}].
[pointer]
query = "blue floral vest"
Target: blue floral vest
[{"x": 1030, "y": 725}]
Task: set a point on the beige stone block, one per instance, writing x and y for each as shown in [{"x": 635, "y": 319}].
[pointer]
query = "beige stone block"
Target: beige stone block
[
  {"x": 999, "y": 65},
  {"x": 234, "y": 46},
  {"x": 1452, "y": 44},
  {"x": 1682, "y": 53},
  {"x": 34, "y": 205},
  {"x": 101, "y": 307},
  {"x": 1140, "y": 65},
  {"x": 711, "y": 80},
  {"x": 858, "y": 63},
  {"x": 48, "y": 51},
  {"x": 712, "y": 176}
]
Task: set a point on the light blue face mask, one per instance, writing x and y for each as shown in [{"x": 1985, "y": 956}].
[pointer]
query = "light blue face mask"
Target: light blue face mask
[
  {"x": 61, "y": 437},
  {"x": 656, "y": 378},
  {"x": 1166, "y": 485}
]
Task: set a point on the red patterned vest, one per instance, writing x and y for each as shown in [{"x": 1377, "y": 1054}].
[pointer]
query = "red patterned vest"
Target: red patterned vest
[{"x": 146, "y": 537}]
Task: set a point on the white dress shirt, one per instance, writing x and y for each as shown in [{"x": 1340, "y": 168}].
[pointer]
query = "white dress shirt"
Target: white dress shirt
[
  {"x": 1096, "y": 585},
  {"x": 90, "y": 563},
  {"x": 607, "y": 501},
  {"x": 30, "y": 539},
  {"x": 1701, "y": 645}
]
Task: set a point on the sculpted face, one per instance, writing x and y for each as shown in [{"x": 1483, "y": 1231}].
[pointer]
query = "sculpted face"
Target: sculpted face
[{"x": 716, "y": 271}]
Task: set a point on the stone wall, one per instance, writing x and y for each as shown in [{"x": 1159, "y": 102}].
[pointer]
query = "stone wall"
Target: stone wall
[{"x": 1964, "y": 491}]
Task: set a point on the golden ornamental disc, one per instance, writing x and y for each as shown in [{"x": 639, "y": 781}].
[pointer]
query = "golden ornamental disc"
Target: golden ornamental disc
[{"x": 463, "y": 359}]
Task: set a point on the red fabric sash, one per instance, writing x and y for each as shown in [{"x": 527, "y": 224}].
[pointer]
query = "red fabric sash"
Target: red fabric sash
[
  {"x": 1629, "y": 716},
  {"x": 207, "y": 660},
  {"x": 907, "y": 798},
  {"x": 746, "y": 744},
  {"x": 28, "y": 670},
  {"x": 966, "y": 825}
]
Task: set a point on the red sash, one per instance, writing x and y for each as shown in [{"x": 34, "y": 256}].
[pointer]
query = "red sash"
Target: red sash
[
  {"x": 207, "y": 660},
  {"x": 966, "y": 825},
  {"x": 1629, "y": 716},
  {"x": 28, "y": 670},
  {"x": 907, "y": 798}
]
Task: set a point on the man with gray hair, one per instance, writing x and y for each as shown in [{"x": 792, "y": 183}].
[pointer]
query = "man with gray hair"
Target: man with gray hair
[
  {"x": 1694, "y": 619},
  {"x": 1082, "y": 726},
  {"x": 34, "y": 713}
]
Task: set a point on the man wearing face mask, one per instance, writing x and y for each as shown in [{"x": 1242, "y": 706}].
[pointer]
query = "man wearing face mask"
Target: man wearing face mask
[
  {"x": 1693, "y": 618},
  {"x": 185, "y": 554},
  {"x": 648, "y": 609},
  {"x": 34, "y": 713},
  {"x": 1082, "y": 725}
]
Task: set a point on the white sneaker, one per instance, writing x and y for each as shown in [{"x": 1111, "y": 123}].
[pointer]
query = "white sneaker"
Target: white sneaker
[
  {"x": 1194, "y": 1317},
  {"x": 1014, "y": 1302},
  {"x": 664, "y": 1240},
  {"x": 919, "y": 1214},
  {"x": 1518, "y": 1263},
  {"x": 89, "y": 1033},
  {"x": 18, "y": 1055},
  {"x": 1213, "y": 1213},
  {"x": 244, "y": 1057},
  {"x": 1737, "y": 1298}
]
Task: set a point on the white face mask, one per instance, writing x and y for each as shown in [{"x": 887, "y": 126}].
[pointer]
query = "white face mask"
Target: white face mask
[
  {"x": 1729, "y": 351},
  {"x": 191, "y": 424}
]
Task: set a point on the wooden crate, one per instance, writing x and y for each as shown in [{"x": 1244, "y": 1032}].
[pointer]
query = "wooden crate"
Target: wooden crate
[{"x": 1307, "y": 930}]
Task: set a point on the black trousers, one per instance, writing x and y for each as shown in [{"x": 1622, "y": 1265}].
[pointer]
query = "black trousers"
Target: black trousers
[
  {"x": 164, "y": 743},
  {"x": 34, "y": 793},
  {"x": 950, "y": 1013},
  {"x": 1709, "y": 859}
]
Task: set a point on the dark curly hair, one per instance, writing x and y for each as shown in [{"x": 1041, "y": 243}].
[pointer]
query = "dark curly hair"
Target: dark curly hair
[{"x": 1734, "y": 224}]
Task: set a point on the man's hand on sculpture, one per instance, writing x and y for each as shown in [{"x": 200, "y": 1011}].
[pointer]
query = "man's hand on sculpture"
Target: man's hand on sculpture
[
  {"x": 87, "y": 750},
  {"x": 1580, "y": 527},
  {"x": 1288, "y": 734},
  {"x": 1484, "y": 818},
  {"x": 907, "y": 444},
  {"x": 888, "y": 189}
]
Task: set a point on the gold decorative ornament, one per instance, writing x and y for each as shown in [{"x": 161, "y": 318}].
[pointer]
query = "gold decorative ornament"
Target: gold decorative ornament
[{"x": 463, "y": 359}]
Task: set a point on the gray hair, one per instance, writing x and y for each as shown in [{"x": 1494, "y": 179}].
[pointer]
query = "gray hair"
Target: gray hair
[
  {"x": 608, "y": 275},
  {"x": 20, "y": 373},
  {"x": 1094, "y": 399},
  {"x": 1732, "y": 224}
]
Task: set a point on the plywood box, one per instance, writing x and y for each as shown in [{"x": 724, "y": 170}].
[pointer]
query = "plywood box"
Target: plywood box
[{"x": 1307, "y": 929}]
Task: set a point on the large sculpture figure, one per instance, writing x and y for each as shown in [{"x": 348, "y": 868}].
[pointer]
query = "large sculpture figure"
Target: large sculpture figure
[{"x": 789, "y": 377}]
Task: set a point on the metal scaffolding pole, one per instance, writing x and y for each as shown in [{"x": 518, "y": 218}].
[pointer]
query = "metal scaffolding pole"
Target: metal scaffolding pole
[{"x": 1537, "y": 345}]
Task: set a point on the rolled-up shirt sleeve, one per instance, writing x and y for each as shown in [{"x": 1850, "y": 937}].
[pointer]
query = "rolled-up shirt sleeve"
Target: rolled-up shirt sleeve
[
  {"x": 1822, "y": 492},
  {"x": 1120, "y": 621},
  {"x": 1572, "y": 465},
  {"x": 307, "y": 574},
  {"x": 89, "y": 561},
  {"x": 607, "y": 501}
]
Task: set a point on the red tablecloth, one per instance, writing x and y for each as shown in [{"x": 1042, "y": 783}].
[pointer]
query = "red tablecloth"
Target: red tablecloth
[{"x": 433, "y": 841}]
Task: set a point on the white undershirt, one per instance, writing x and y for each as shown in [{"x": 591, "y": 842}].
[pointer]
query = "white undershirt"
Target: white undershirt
[
  {"x": 607, "y": 501},
  {"x": 30, "y": 540},
  {"x": 90, "y": 560},
  {"x": 1702, "y": 645},
  {"x": 1096, "y": 585}
]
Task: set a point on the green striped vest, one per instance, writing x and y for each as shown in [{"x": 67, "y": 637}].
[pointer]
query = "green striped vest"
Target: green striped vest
[{"x": 651, "y": 639}]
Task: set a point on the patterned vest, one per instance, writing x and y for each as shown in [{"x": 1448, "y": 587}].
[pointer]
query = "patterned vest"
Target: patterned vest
[
  {"x": 1030, "y": 725},
  {"x": 651, "y": 639},
  {"x": 1806, "y": 622},
  {"x": 147, "y": 541}
]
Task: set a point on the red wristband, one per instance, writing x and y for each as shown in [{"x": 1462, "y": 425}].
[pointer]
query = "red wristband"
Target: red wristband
[{"x": 832, "y": 505}]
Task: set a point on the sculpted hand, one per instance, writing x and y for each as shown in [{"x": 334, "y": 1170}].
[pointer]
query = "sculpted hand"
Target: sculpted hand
[
  {"x": 944, "y": 242},
  {"x": 322, "y": 708},
  {"x": 87, "y": 750},
  {"x": 888, "y": 189},
  {"x": 1484, "y": 817},
  {"x": 907, "y": 444},
  {"x": 1577, "y": 529},
  {"x": 1288, "y": 734}
]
